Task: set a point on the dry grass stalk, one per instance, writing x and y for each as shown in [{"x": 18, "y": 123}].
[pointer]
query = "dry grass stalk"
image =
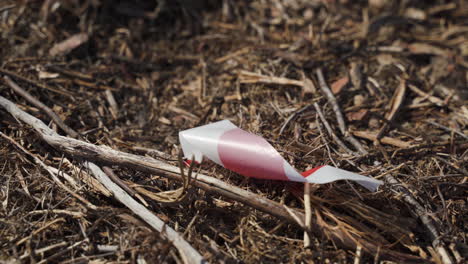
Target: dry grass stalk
[
  {"x": 385, "y": 140},
  {"x": 251, "y": 77},
  {"x": 87, "y": 179},
  {"x": 330, "y": 130},
  {"x": 39, "y": 230},
  {"x": 110, "y": 173},
  {"x": 395, "y": 106},
  {"x": 429, "y": 97},
  {"x": 42, "y": 86}
]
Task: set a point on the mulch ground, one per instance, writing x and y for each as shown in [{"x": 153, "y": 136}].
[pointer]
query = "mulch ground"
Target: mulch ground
[{"x": 132, "y": 74}]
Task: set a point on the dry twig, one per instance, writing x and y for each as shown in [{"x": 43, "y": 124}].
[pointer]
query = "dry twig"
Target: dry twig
[
  {"x": 418, "y": 209},
  {"x": 339, "y": 116},
  {"x": 69, "y": 44},
  {"x": 386, "y": 140},
  {"x": 189, "y": 254},
  {"x": 423, "y": 215},
  {"x": 41, "y": 106},
  {"x": 42, "y": 86},
  {"x": 395, "y": 106},
  {"x": 251, "y": 77},
  {"x": 330, "y": 130}
]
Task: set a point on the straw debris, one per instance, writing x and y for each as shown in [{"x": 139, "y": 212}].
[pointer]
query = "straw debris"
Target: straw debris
[{"x": 94, "y": 93}]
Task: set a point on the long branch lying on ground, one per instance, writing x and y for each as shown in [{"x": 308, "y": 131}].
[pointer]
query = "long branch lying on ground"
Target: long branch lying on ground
[
  {"x": 188, "y": 253},
  {"x": 110, "y": 156}
]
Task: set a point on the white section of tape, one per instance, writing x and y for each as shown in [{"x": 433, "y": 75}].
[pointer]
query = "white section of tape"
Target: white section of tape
[
  {"x": 292, "y": 173},
  {"x": 203, "y": 141},
  {"x": 328, "y": 174}
]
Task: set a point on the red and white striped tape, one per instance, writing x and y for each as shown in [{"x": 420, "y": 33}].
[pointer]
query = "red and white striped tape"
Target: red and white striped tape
[{"x": 252, "y": 156}]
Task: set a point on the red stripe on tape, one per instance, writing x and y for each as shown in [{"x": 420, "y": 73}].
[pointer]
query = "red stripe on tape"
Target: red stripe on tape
[{"x": 309, "y": 172}]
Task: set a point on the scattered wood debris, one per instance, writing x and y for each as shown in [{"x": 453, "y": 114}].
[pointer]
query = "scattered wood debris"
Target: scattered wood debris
[{"x": 94, "y": 93}]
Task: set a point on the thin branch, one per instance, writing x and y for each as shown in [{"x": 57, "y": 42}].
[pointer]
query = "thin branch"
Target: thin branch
[
  {"x": 330, "y": 130},
  {"x": 447, "y": 129},
  {"x": 42, "y": 86},
  {"x": 339, "y": 116},
  {"x": 189, "y": 254},
  {"x": 72, "y": 133},
  {"x": 423, "y": 215},
  {"x": 385, "y": 140},
  {"x": 331, "y": 98}
]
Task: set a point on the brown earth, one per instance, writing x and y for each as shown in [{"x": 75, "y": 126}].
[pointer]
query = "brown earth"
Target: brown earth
[{"x": 131, "y": 74}]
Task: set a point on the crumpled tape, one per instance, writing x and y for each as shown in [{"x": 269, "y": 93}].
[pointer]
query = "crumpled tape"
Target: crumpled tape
[{"x": 250, "y": 155}]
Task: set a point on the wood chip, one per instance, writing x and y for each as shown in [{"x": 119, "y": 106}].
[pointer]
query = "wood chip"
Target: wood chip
[
  {"x": 339, "y": 84},
  {"x": 69, "y": 44}
]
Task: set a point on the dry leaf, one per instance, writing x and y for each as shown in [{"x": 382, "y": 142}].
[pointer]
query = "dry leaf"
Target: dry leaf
[
  {"x": 339, "y": 84},
  {"x": 358, "y": 115}
]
